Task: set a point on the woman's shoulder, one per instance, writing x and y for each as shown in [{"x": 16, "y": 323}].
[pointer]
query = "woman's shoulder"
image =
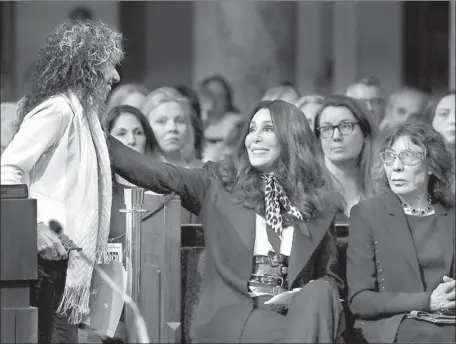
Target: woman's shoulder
[{"x": 372, "y": 204}]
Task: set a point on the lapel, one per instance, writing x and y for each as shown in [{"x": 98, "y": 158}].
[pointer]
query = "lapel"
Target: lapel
[
  {"x": 306, "y": 239},
  {"x": 446, "y": 229},
  {"x": 397, "y": 225},
  {"x": 234, "y": 238}
]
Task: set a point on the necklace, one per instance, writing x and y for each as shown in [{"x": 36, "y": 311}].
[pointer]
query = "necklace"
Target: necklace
[{"x": 408, "y": 209}]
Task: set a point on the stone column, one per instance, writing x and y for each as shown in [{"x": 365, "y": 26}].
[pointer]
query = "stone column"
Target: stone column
[
  {"x": 345, "y": 44},
  {"x": 251, "y": 43},
  {"x": 312, "y": 43}
]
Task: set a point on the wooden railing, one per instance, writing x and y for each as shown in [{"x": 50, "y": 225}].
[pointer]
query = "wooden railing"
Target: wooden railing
[{"x": 165, "y": 248}]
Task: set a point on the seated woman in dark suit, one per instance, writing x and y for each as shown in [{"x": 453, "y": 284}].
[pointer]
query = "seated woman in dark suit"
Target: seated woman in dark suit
[
  {"x": 400, "y": 255},
  {"x": 265, "y": 229}
]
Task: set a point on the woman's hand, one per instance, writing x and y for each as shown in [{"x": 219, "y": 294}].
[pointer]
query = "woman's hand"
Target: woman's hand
[
  {"x": 443, "y": 297},
  {"x": 49, "y": 245}
]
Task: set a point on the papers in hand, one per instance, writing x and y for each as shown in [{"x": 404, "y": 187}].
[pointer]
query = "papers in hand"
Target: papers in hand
[
  {"x": 435, "y": 318},
  {"x": 283, "y": 299}
]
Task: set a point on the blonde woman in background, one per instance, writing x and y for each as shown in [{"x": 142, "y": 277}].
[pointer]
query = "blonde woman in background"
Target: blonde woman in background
[
  {"x": 127, "y": 94},
  {"x": 284, "y": 91},
  {"x": 170, "y": 116},
  {"x": 310, "y": 105}
]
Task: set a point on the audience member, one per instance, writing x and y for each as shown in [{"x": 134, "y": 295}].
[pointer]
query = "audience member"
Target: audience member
[
  {"x": 197, "y": 121},
  {"x": 285, "y": 91},
  {"x": 405, "y": 103},
  {"x": 369, "y": 92},
  {"x": 401, "y": 244},
  {"x": 259, "y": 210},
  {"x": 223, "y": 93},
  {"x": 348, "y": 140},
  {"x": 310, "y": 105},
  {"x": 170, "y": 116},
  {"x": 127, "y": 94},
  {"x": 441, "y": 115}
]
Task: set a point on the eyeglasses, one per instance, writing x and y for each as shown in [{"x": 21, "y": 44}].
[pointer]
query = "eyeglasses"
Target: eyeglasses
[
  {"x": 345, "y": 128},
  {"x": 408, "y": 158}
]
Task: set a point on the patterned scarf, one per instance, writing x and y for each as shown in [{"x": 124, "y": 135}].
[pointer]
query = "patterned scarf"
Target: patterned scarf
[{"x": 274, "y": 196}]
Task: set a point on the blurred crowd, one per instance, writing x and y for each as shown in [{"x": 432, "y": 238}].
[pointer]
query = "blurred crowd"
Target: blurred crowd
[{"x": 189, "y": 126}]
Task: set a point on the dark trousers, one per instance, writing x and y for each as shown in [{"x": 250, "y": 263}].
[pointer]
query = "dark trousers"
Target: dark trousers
[
  {"x": 315, "y": 316},
  {"x": 45, "y": 295}
]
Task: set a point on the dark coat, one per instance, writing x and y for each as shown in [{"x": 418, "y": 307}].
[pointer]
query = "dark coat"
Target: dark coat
[
  {"x": 383, "y": 272},
  {"x": 229, "y": 233}
]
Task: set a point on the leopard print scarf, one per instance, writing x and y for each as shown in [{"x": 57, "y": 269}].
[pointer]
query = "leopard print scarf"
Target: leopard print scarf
[{"x": 274, "y": 196}]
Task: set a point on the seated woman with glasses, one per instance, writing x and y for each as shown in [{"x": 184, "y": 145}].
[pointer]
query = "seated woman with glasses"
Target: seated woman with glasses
[
  {"x": 268, "y": 228},
  {"x": 400, "y": 255},
  {"x": 348, "y": 140}
]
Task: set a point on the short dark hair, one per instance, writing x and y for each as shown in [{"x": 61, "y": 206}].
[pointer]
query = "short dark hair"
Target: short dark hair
[{"x": 81, "y": 13}]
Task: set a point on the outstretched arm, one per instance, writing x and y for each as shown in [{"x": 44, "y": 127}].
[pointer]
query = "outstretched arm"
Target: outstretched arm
[{"x": 153, "y": 174}]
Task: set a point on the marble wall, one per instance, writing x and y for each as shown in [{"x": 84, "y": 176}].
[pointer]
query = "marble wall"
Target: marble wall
[
  {"x": 321, "y": 46},
  {"x": 251, "y": 43},
  {"x": 35, "y": 19}
]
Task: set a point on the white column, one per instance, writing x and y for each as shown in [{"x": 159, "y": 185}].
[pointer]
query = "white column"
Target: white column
[{"x": 345, "y": 44}]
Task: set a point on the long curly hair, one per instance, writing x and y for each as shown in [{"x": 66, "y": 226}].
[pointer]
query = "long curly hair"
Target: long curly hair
[
  {"x": 72, "y": 60},
  {"x": 300, "y": 167},
  {"x": 439, "y": 160}
]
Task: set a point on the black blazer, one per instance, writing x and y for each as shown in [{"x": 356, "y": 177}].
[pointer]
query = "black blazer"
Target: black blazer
[
  {"x": 383, "y": 273},
  {"x": 229, "y": 233}
]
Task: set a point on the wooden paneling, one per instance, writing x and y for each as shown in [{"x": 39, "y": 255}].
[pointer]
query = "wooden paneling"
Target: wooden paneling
[
  {"x": 27, "y": 325},
  {"x": 15, "y": 296},
  {"x": 18, "y": 240},
  {"x": 160, "y": 280},
  {"x": 7, "y": 326}
]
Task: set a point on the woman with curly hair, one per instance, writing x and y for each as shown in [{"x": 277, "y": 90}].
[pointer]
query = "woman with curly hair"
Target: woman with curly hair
[
  {"x": 60, "y": 151},
  {"x": 400, "y": 256},
  {"x": 266, "y": 230}
]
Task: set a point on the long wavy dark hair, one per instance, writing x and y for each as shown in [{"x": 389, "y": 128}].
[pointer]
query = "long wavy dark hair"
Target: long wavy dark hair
[
  {"x": 300, "y": 167},
  {"x": 439, "y": 160},
  {"x": 72, "y": 60},
  {"x": 367, "y": 157}
]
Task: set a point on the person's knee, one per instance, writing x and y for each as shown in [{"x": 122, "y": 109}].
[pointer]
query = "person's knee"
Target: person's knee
[{"x": 318, "y": 292}]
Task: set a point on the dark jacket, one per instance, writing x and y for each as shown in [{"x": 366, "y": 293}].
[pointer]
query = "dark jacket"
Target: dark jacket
[
  {"x": 229, "y": 233},
  {"x": 383, "y": 273}
]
